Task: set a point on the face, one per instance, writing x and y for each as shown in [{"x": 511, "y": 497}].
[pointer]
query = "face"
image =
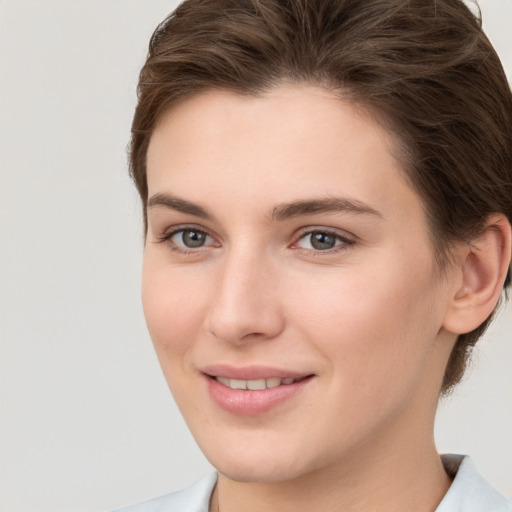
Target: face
[{"x": 289, "y": 285}]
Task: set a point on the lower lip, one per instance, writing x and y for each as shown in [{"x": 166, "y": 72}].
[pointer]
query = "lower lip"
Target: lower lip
[{"x": 251, "y": 403}]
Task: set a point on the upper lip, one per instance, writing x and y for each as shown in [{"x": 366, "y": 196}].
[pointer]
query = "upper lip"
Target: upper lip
[{"x": 250, "y": 372}]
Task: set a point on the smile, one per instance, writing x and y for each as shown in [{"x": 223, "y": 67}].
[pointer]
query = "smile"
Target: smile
[
  {"x": 256, "y": 384},
  {"x": 255, "y": 394}
]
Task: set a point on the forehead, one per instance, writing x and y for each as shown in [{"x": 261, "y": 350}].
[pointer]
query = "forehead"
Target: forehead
[{"x": 288, "y": 143}]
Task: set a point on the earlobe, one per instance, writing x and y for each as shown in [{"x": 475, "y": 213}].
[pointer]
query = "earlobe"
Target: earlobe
[{"x": 483, "y": 265}]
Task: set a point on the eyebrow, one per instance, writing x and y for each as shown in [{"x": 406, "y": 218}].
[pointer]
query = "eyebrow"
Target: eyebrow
[
  {"x": 180, "y": 205},
  {"x": 324, "y": 205},
  {"x": 281, "y": 212}
]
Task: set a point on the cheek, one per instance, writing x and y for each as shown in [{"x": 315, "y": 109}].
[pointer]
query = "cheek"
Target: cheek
[
  {"x": 375, "y": 326},
  {"x": 172, "y": 307}
]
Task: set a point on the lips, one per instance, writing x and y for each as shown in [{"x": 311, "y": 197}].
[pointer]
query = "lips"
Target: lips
[
  {"x": 253, "y": 390},
  {"x": 252, "y": 372}
]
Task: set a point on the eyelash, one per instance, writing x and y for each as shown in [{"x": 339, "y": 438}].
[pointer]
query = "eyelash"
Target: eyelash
[
  {"x": 167, "y": 238},
  {"x": 345, "y": 242}
]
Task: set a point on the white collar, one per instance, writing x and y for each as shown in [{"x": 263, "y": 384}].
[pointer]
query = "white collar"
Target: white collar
[{"x": 469, "y": 492}]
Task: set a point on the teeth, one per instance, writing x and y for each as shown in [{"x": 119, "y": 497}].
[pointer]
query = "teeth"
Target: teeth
[
  {"x": 274, "y": 382},
  {"x": 256, "y": 384},
  {"x": 223, "y": 380},
  {"x": 238, "y": 384}
]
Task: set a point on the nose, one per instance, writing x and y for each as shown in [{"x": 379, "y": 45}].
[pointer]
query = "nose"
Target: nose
[{"x": 245, "y": 304}]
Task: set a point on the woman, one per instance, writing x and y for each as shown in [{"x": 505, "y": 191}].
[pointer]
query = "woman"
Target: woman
[{"x": 327, "y": 192}]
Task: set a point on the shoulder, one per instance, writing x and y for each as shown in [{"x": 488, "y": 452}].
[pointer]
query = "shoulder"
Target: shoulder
[
  {"x": 469, "y": 491},
  {"x": 195, "y": 498}
]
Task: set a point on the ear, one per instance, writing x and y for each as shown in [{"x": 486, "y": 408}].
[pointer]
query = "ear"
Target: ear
[{"x": 483, "y": 264}]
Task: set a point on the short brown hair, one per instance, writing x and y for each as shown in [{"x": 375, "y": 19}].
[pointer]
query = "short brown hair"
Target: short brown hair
[{"x": 423, "y": 68}]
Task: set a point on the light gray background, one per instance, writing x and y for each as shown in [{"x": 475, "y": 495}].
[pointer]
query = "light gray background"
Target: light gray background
[{"x": 87, "y": 422}]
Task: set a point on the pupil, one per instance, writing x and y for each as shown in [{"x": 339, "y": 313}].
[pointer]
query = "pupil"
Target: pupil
[
  {"x": 322, "y": 241},
  {"x": 193, "y": 238}
]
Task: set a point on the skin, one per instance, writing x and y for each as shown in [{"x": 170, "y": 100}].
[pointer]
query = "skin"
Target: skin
[{"x": 367, "y": 318}]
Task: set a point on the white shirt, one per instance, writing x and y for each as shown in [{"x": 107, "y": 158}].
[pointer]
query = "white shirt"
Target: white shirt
[{"x": 469, "y": 492}]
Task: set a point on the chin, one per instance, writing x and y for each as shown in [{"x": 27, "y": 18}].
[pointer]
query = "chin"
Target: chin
[
  {"x": 245, "y": 462},
  {"x": 257, "y": 473}
]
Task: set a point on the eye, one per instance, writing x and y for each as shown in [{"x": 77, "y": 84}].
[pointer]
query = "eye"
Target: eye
[
  {"x": 190, "y": 238},
  {"x": 322, "y": 240}
]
